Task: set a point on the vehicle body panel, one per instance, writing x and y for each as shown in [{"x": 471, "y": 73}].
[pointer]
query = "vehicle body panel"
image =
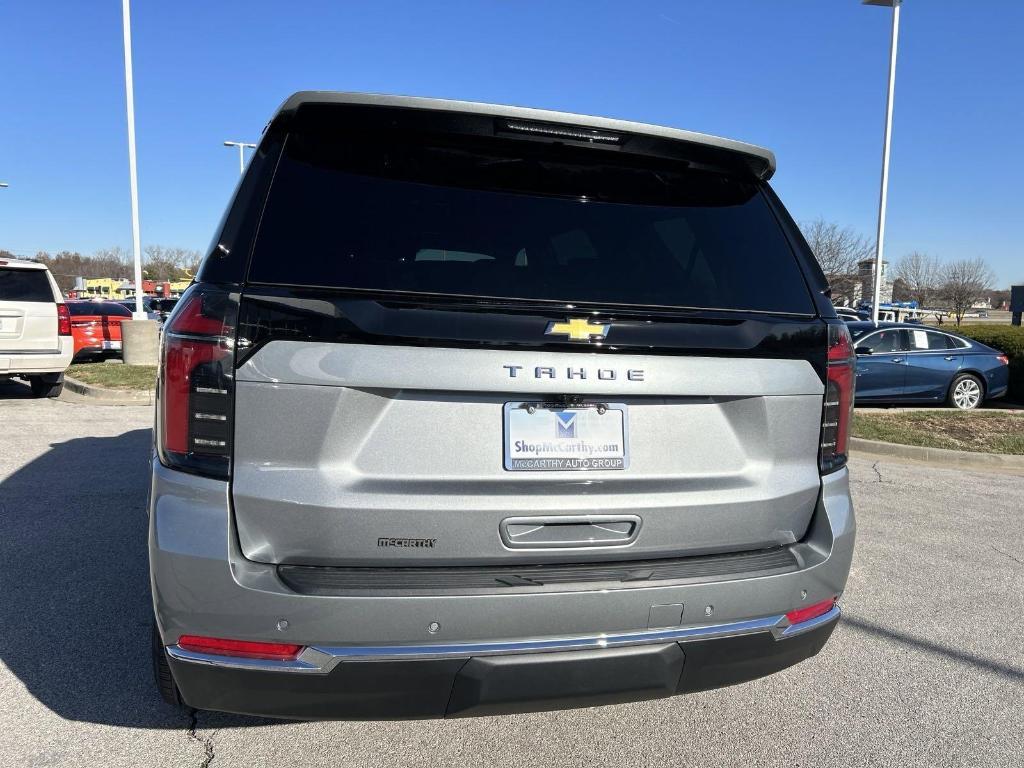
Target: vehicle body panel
[{"x": 350, "y": 443}]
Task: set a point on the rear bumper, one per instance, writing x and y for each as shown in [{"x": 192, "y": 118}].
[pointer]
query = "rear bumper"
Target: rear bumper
[
  {"x": 15, "y": 363},
  {"x": 575, "y": 647},
  {"x": 469, "y": 680}
]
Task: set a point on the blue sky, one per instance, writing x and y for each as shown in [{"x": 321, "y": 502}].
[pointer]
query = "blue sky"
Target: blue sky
[{"x": 803, "y": 77}]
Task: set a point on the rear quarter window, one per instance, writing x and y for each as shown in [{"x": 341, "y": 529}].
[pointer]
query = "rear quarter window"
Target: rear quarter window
[
  {"x": 25, "y": 285},
  {"x": 486, "y": 222}
]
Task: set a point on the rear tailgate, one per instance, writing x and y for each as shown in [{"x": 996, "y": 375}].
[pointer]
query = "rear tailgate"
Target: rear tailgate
[
  {"x": 28, "y": 311},
  {"x": 370, "y": 454},
  {"x": 411, "y": 297}
]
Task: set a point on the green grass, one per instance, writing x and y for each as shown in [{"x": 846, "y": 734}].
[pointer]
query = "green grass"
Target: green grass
[
  {"x": 979, "y": 431},
  {"x": 115, "y": 375}
]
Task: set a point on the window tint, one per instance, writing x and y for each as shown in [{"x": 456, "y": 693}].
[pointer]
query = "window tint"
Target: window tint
[
  {"x": 467, "y": 223},
  {"x": 883, "y": 342},
  {"x": 940, "y": 341},
  {"x": 77, "y": 308},
  {"x": 25, "y": 285}
]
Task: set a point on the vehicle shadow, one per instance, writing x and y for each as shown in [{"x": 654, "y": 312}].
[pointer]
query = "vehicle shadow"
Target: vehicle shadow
[
  {"x": 75, "y": 599},
  {"x": 15, "y": 389}
]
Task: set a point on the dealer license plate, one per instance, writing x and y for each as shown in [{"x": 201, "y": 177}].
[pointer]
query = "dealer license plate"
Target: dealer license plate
[{"x": 548, "y": 436}]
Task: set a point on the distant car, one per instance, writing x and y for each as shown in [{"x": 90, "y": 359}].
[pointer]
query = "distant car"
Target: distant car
[
  {"x": 96, "y": 327},
  {"x": 906, "y": 363},
  {"x": 163, "y": 308},
  {"x": 35, "y": 330},
  {"x": 148, "y": 306},
  {"x": 849, "y": 314}
]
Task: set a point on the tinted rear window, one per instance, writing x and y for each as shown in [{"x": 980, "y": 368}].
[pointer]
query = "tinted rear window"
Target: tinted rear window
[
  {"x": 24, "y": 285},
  {"x": 77, "y": 308},
  {"x": 485, "y": 221}
]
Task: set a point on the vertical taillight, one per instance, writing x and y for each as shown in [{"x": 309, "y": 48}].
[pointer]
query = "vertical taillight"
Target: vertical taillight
[
  {"x": 837, "y": 411},
  {"x": 196, "y": 382},
  {"x": 63, "y": 320}
]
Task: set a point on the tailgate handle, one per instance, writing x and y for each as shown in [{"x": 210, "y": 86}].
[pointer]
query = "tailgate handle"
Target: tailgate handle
[{"x": 569, "y": 531}]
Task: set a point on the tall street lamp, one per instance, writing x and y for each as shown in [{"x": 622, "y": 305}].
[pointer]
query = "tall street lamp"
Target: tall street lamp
[
  {"x": 884, "y": 192},
  {"x": 126, "y": 19},
  {"x": 241, "y": 152}
]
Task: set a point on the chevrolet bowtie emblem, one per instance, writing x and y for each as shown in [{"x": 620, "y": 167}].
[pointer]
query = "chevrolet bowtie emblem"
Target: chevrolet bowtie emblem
[{"x": 578, "y": 329}]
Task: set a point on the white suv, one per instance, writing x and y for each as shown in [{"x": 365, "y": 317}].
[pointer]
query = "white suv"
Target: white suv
[{"x": 35, "y": 327}]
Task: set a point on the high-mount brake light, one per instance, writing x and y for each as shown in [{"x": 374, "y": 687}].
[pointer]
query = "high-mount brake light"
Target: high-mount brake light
[
  {"x": 554, "y": 131},
  {"x": 63, "y": 320},
  {"x": 809, "y": 612},
  {"x": 837, "y": 411},
  {"x": 247, "y": 649},
  {"x": 196, "y": 382}
]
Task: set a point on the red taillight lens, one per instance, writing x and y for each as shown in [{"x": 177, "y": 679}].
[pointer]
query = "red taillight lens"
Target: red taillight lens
[
  {"x": 196, "y": 382},
  {"x": 811, "y": 611},
  {"x": 1003, "y": 359},
  {"x": 63, "y": 320},
  {"x": 837, "y": 411},
  {"x": 245, "y": 648}
]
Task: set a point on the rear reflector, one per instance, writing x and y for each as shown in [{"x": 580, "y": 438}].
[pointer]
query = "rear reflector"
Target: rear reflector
[
  {"x": 243, "y": 648},
  {"x": 63, "y": 320},
  {"x": 811, "y": 611},
  {"x": 837, "y": 411}
]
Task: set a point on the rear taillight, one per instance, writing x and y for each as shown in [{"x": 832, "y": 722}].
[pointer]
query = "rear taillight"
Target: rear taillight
[
  {"x": 837, "y": 411},
  {"x": 196, "y": 382},
  {"x": 1003, "y": 359},
  {"x": 63, "y": 320},
  {"x": 247, "y": 649}
]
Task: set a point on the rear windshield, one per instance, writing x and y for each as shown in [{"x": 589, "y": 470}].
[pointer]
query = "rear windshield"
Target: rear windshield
[
  {"x": 77, "y": 308},
  {"x": 481, "y": 222},
  {"x": 24, "y": 285}
]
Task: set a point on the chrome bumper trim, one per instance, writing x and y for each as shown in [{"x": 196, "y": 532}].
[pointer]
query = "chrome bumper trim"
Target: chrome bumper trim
[{"x": 320, "y": 660}]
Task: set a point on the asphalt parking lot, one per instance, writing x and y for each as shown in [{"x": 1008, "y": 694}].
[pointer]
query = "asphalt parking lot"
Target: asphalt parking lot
[{"x": 926, "y": 669}]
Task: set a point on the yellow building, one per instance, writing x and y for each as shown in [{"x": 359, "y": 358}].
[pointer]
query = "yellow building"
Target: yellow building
[{"x": 103, "y": 287}]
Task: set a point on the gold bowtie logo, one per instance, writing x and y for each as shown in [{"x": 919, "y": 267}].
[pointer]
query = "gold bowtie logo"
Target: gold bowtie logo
[{"x": 578, "y": 329}]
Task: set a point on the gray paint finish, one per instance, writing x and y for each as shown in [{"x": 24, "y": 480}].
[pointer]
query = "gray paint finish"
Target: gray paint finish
[
  {"x": 230, "y": 596},
  {"x": 325, "y": 464}
]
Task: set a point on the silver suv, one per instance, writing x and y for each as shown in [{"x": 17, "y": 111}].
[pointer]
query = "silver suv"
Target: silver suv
[{"x": 476, "y": 409}]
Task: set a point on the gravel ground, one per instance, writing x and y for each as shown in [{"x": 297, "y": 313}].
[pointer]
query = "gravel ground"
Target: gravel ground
[{"x": 926, "y": 669}]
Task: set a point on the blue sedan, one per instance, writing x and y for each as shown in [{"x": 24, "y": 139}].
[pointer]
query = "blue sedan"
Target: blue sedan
[{"x": 908, "y": 363}]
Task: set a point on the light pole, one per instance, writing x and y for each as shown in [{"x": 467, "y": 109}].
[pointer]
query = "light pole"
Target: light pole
[
  {"x": 241, "y": 152},
  {"x": 884, "y": 191},
  {"x": 126, "y": 18}
]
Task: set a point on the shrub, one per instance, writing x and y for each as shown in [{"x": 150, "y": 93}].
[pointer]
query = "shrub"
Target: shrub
[{"x": 1008, "y": 339}]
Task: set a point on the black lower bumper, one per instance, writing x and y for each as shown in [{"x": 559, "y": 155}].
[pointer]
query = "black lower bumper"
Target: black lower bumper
[{"x": 490, "y": 685}]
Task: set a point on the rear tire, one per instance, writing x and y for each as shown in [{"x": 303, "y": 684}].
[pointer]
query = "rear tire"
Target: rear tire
[
  {"x": 966, "y": 392},
  {"x": 162, "y": 672},
  {"x": 47, "y": 386}
]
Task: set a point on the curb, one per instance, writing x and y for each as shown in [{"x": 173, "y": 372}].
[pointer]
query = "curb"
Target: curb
[
  {"x": 941, "y": 456},
  {"x": 113, "y": 396}
]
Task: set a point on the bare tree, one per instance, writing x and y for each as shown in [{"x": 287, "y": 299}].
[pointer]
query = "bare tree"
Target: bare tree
[
  {"x": 168, "y": 264},
  {"x": 838, "y": 250},
  {"x": 965, "y": 282},
  {"x": 921, "y": 275}
]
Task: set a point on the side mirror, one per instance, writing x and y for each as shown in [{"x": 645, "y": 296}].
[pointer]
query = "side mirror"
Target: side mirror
[{"x": 862, "y": 350}]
